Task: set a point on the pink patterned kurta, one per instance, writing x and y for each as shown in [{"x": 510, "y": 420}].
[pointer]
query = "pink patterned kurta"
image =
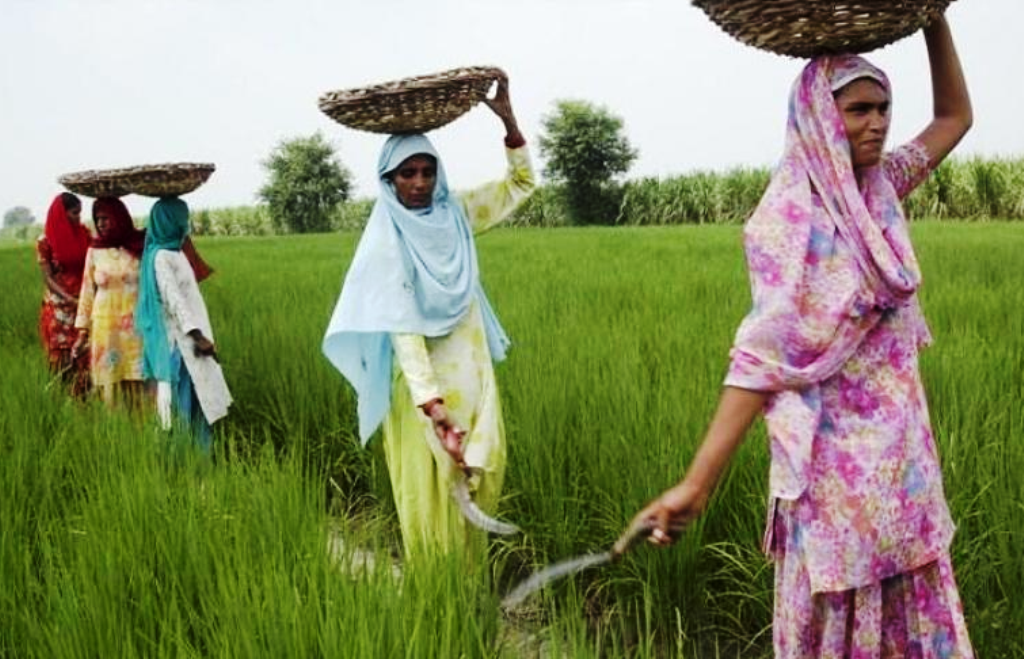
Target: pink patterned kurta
[
  {"x": 858, "y": 523},
  {"x": 869, "y": 495}
]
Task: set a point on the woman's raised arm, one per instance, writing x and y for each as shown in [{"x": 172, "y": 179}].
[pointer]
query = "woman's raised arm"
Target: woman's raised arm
[
  {"x": 951, "y": 102},
  {"x": 490, "y": 204},
  {"x": 501, "y": 105}
]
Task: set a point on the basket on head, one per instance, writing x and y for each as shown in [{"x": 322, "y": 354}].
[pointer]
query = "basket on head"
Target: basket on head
[
  {"x": 808, "y": 28},
  {"x": 411, "y": 105},
  {"x": 166, "y": 180}
]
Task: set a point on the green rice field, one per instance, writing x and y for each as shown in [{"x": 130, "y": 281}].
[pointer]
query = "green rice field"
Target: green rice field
[{"x": 117, "y": 540}]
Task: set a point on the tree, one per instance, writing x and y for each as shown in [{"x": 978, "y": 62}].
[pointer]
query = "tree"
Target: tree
[
  {"x": 18, "y": 216},
  {"x": 585, "y": 150},
  {"x": 306, "y": 183}
]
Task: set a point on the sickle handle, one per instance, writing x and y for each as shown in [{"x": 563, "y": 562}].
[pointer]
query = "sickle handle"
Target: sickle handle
[{"x": 637, "y": 530}]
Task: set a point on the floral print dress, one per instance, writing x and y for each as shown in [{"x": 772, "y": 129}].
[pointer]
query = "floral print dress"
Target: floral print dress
[
  {"x": 858, "y": 524},
  {"x": 106, "y": 308},
  {"x": 861, "y": 555},
  {"x": 57, "y": 323}
]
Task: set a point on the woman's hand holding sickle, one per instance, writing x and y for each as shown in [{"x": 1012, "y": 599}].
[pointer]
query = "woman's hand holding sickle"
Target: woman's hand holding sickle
[
  {"x": 449, "y": 434},
  {"x": 451, "y": 437}
]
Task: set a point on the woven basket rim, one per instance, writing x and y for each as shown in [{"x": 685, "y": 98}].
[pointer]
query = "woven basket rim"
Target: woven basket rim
[
  {"x": 809, "y": 28},
  {"x": 439, "y": 81},
  {"x": 126, "y": 173},
  {"x": 409, "y": 105},
  {"x": 153, "y": 180}
]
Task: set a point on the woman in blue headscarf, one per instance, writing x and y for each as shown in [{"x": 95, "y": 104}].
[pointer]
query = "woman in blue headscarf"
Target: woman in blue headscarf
[
  {"x": 178, "y": 349},
  {"x": 415, "y": 336}
]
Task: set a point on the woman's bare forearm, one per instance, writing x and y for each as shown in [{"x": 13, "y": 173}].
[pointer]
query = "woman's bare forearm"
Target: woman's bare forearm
[
  {"x": 737, "y": 409},
  {"x": 677, "y": 506}
]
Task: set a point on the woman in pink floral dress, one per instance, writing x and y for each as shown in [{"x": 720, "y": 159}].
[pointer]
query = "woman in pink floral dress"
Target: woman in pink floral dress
[{"x": 858, "y": 525}]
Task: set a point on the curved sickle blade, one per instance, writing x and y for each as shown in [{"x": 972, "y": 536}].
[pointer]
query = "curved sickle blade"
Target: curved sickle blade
[
  {"x": 472, "y": 512},
  {"x": 542, "y": 578},
  {"x": 637, "y": 530}
]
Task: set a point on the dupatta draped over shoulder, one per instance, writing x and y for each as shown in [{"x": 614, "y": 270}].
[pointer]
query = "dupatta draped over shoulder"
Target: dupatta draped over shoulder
[
  {"x": 415, "y": 272},
  {"x": 812, "y": 307}
]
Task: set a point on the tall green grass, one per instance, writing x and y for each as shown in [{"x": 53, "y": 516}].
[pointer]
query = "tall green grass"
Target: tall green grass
[
  {"x": 256, "y": 221},
  {"x": 972, "y": 189},
  {"x": 701, "y": 198},
  {"x": 961, "y": 189},
  {"x": 112, "y": 544},
  {"x": 118, "y": 540},
  {"x": 232, "y": 221}
]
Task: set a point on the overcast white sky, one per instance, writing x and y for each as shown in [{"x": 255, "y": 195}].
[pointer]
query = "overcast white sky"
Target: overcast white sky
[{"x": 111, "y": 83}]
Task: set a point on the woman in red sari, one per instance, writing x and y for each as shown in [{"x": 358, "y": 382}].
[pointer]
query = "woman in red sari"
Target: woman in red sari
[{"x": 61, "y": 254}]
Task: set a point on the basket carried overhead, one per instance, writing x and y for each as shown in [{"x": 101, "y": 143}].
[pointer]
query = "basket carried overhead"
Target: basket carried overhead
[
  {"x": 411, "y": 105},
  {"x": 166, "y": 180},
  {"x": 807, "y": 28}
]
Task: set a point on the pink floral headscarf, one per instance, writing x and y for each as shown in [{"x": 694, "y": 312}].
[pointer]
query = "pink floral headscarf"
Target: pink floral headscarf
[{"x": 811, "y": 309}]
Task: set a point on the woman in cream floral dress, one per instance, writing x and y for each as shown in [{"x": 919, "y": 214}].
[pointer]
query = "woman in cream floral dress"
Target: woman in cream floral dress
[{"x": 106, "y": 307}]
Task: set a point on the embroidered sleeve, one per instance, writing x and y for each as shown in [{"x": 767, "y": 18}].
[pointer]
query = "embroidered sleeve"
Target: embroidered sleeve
[
  {"x": 414, "y": 360},
  {"x": 171, "y": 295},
  {"x": 492, "y": 203},
  {"x": 88, "y": 294},
  {"x": 907, "y": 167}
]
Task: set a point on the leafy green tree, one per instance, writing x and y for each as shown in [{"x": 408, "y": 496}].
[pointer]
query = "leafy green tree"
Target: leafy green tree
[
  {"x": 18, "y": 216},
  {"x": 585, "y": 150},
  {"x": 306, "y": 184}
]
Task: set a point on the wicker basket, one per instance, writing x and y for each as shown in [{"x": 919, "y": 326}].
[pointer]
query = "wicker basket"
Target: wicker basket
[
  {"x": 807, "y": 28},
  {"x": 167, "y": 180},
  {"x": 411, "y": 105}
]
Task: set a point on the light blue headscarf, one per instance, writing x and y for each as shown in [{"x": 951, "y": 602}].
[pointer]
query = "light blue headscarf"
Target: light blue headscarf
[
  {"x": 415, "y": 272},
  {"x": 167, "y": 229}
]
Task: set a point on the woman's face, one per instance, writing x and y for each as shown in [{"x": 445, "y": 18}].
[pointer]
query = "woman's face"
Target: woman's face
[
  {"x": 74, "y": 215},
  {"x": 864, "y": 107},
  {"x": 103, "y": 223},
  {"x": 414, "y": 181}
]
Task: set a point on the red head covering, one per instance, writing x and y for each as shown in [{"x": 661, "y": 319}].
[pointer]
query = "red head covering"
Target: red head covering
[
  {"x": 68, "y": 242},
  {"x": 122, "y": 231}
]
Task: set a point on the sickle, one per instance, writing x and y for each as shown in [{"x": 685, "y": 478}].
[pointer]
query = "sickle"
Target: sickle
[
  {"x": 637, "y": 530},
  {"x": 472, "y": 512}
]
